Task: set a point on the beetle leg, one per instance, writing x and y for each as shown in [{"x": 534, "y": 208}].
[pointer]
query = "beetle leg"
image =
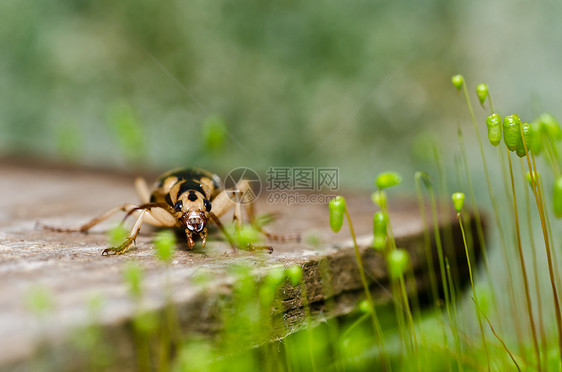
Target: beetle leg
[
  {"x": 190, "y": 242},
  {"x": 87, "y": 226},
  {"x": 253, "y": 248},
  {"x": 219, "y": 224},
  {"x": 203, "y": 236},
  {"x": 224, "y": 202},
  {"x": 160, "y": 214},
  {"x": 143, "y": 191},
  {"x": 250, "y": 213},
  {"x": 130, "y": 238},
  {"x": 295, "y": 237}
]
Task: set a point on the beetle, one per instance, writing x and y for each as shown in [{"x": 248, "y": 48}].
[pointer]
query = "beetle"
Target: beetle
[{"x": 188, "y": 199}]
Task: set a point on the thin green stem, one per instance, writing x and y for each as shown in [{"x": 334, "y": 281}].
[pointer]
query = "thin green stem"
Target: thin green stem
[
  {"x": 496, "y": 212},
  {"x": 408, "y": 312},
  {"x": 552, "y": 156},
  {"x": 454, "y": 321},
  {"x": 440, "y": 255},
  {"x": 503, "y": 343},
  {"x": 491, "y": 104},
  {"x": 411, "y": 283},
  {"x": 447, "y": 231},
  {"x": 354, "y": 325},
  {"x": 535, "y": 181},
  {"x": 474, "y": 291},
  {"x": 442, "y": 268},
  {"x": 523, "y": 269},
  {"x": 476, "y": 213},
  {"x": 391, "y": 246},
  {"x": 544, "y": 345},
  {"x": 554, "y": 258},
  {"x": 376, "y": 325}
]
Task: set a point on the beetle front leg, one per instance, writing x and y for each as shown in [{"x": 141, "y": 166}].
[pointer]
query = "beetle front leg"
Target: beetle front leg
[
  {"x": 130, "y": 238},
  {"x": 203, "y": 236},
  {"x": 189, "y": 237}
]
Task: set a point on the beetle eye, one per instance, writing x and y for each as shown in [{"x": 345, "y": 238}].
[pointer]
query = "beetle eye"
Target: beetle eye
[
  {"x": 178, "y": 205},
  {"x": 207, "y": 204}
]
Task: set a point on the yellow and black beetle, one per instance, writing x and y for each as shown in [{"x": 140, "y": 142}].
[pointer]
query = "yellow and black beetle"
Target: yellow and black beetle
[{"x": 185, "y": 198}]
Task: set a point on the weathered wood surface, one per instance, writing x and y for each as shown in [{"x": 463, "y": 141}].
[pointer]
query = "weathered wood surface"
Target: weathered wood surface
[{"x": 71, "y": 268}]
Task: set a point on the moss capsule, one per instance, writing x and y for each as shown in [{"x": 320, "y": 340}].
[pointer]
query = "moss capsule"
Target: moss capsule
[
  {"x": 482, "y": 92},
  {"x": 550, "y": 126},
  {"x": 380, "y": 224},
  {"x": 388, "y": 179},
  {"x": 494, "y": 124},
  {"x": 536, "y": 138},
  {"x": 364, "y": 307},
  {"x": 511, "y": 132},
  {"x": 457, "y": 81},
  {"x": 557, "y": 197},
  {"x": 528, "y": 135},
  {"x": 398, "y": 262},
  {"x": 535, "y": 177},
  {"x": 458, "y": 201},
  {"x": 337, "y": 211}
]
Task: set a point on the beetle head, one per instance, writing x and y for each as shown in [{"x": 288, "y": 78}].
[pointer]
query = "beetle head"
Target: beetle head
[{"x": 194, "y": 221}]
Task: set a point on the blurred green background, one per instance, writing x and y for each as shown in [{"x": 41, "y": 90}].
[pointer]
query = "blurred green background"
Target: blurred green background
[{"x": 135, "y": 84}]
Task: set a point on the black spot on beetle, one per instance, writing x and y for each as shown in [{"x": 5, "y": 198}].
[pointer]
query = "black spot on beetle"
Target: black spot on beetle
[
  {"x": 192, "y": 196},
  {"x": 178, "y": 205},
  {"x": 207, "y": 204},
  {"x": 169, "y": 200},
  {"x": 189, "y": 185}
]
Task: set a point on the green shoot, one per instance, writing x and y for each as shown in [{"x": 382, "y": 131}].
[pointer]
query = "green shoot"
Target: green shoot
[
  {"x": 458, "y": 202},
  {"x": 338, "y": 209}
]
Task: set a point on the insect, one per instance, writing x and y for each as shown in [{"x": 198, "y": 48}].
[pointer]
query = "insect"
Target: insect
[{"x": 188, "y": 199}]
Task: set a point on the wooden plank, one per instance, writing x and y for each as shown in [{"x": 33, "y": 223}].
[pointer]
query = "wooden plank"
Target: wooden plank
[{"x": 71, "y": 268}]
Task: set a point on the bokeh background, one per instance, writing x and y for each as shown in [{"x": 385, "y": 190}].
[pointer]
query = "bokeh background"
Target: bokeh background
[{"x": 221, "y": 84}]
